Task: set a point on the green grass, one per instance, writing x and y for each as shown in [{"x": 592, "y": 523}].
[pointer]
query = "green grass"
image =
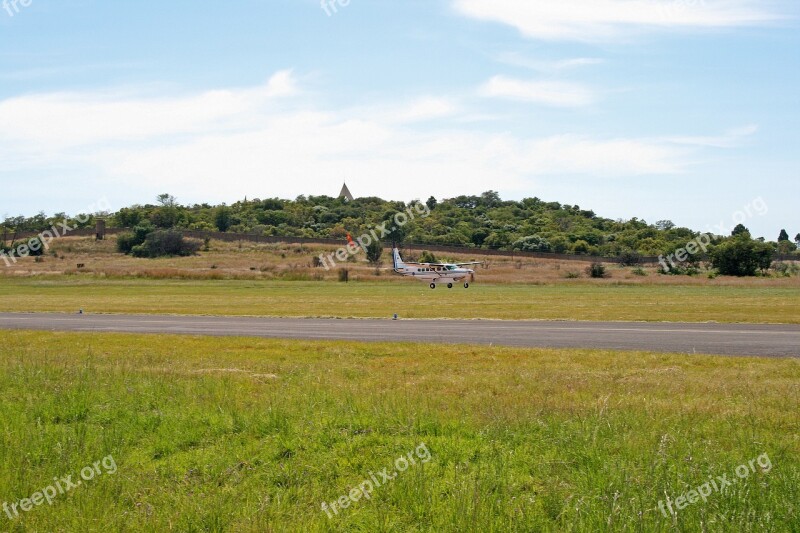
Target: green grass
[
  {"x": 580, "y": 301},
  {"x": 253, "y": 435}
]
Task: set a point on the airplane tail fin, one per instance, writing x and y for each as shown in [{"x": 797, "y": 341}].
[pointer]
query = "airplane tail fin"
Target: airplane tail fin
[{"x": 398, "y": 261}]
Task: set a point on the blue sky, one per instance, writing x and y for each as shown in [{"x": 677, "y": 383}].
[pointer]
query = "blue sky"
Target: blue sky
[{"x": 679, "y": 109}]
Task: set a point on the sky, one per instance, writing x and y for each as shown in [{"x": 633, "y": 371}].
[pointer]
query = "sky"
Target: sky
[{"x": 657, "y": 109}]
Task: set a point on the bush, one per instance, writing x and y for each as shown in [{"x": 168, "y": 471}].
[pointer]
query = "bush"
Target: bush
[
  {"x": 596, "y": 270},
  {"x": 427, "y": 257},
  {"x": 639, "y": 271},
  {"x": 35, "y": 247},
  {"x": 532, "y": 243},
  {"x": 680, "y": 270},
  {"x": 580, "y": 247},
  {"x": 127, "y": 241},
  {"x": 630, "y": 258},
  {"x": 165, "y": 243},
  {"x": 786, "y": 269},
  {"x": 742, "y": 256},
  {"x": 374, "y": 252}
]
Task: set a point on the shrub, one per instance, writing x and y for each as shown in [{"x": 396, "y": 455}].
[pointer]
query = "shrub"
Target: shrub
[
  {"x": 742, "y": 256},
  {"x": 639, "y": 271},
  {"x": 163, "y": 243},
  {"x": 596, "y": 270},
  {"x": 630, "y": 258},
  {"x": 580, "y": 247},
  {"x": 127, "y": 241},
  {"x": 374, "y": 252},
  {"x": 786, "y": 269},
  {"x": 532, "y": 243},
  {"x": 427, "y": 257},
  {"x": 680, "y": 270},
  {"x": 35, "y": 247}
]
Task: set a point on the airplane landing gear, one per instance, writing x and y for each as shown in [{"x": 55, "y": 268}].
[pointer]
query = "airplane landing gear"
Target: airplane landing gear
[
  {"x": 449, "y": 285},
  {"x": 466, "y": 285},
  {"x": 433, "y": 285}
]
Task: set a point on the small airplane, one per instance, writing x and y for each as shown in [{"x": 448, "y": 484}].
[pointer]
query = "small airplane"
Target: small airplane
[{"x": 434, "y": 272}]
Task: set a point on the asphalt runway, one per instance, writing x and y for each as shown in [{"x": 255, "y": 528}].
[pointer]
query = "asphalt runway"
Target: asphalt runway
[{"x": 707, "y": 338}]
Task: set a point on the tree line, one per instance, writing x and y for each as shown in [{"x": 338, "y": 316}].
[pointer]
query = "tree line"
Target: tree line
[{"x": 482, "y": 221}]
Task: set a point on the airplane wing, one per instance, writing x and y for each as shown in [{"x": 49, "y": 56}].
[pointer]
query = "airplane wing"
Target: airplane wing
[{"x": 446, "y": 264}]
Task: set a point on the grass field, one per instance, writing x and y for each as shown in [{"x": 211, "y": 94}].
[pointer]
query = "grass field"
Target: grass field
[
  {"x": 410, "y": 299},
  {"x": 286, "y": 262},
  {"x": 254, "y": 435}
]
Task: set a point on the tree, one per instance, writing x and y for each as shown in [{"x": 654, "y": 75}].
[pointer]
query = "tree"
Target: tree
[
  {"x": 164, "y": 217},
  {"x": 630, "y": 258},
  {"x": 479, "y": 236},
  {"x": 127, "y": 241},
  {"x": 797, "y": 239},
  {"x": 490, "y": 199},
  {"x": 167, "y": 200},
  {"x": 427, "y": 257},
  {"x": 740, "y": 230},
  {"x": 783, "y": 236},
  {"x": 374, "y": 252},
  {"x": 786, "y": 247},
  {"x": 497, "y": 240},
  {"x": 665, "y": 225},
  {"x": 596, "y": 270},
  {"x": 128, "y": 217},
  {"x": 580, "y": 247},
  {"x": 432, "y": 203},
  {"x": 166, "y": 243},
  {"x": 222, "y": 218},
  {"x": 395, "y": 232},
  {"x": 742, "y": 256},
  {"x": 532, "y": 243}
]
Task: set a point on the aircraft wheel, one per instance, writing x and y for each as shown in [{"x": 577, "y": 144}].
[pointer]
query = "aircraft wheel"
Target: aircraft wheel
[
  {"x": 449, "y": 285},
  {"x": 466, "y": 285},
  {"x": 433, "y": 285}
]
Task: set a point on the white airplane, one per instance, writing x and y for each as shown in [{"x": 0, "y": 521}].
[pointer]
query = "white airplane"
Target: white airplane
[{"x": 434, "y": 272}]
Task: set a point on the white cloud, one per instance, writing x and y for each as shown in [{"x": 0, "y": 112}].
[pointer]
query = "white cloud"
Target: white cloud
[
  {"x": 68, "y": 119},
  {"x": 593, "y": 20},
  {"x": 418, "y": 110},
  {"x": 282, "y": 83},
  {"x": 223, "y": 145},
  {"x": 518, "y": 60},
  {"x": 729, "y": 139},
  {"x": 560, "y": 94}
]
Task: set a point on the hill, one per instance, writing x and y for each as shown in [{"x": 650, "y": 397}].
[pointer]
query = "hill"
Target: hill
[{"x": 484, "y": 221}]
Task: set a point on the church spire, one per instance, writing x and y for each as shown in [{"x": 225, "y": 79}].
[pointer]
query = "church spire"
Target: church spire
[{"x": 346, "y": 193}]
